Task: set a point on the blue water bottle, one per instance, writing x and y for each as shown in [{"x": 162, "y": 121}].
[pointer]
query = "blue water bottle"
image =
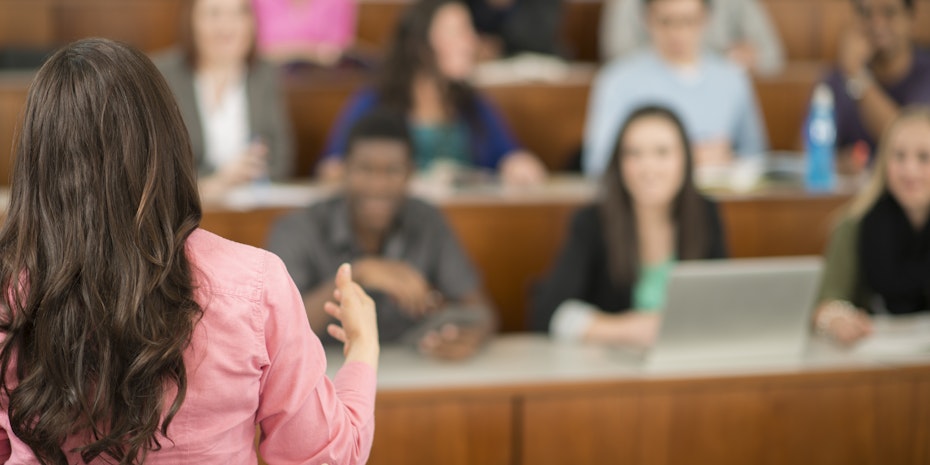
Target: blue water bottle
[{"x": 820, "y": 142}]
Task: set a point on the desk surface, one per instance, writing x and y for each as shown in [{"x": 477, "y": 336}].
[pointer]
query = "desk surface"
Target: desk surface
[{"x": 519, "y": 360}]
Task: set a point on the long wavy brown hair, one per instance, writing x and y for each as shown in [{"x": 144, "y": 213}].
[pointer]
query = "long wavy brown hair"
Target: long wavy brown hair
[{"x": 98, "y": 303}]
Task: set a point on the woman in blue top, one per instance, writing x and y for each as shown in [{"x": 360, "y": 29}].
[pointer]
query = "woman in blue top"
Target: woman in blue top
[{"x": 425, "y": 77}]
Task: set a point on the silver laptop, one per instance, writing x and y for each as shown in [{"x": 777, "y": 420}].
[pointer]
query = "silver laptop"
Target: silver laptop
[{"x": 737, "y": 312}]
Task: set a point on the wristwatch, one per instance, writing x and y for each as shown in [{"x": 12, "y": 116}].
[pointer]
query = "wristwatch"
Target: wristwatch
[{"x": 858, "y": 84}]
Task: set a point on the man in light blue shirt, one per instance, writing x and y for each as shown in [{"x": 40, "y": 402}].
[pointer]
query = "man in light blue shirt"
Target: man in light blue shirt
[{"x": 713, "y": 96}]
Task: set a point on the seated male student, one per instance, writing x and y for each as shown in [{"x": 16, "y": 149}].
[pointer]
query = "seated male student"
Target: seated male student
[
  {"x": 401, "y": 249},
  {"x": 713, "y": 96},
  {"x": 879, "y": 70}
]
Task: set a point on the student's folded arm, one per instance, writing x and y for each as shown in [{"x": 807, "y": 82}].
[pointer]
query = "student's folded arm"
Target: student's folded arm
[{"x": 305, "y": 418}]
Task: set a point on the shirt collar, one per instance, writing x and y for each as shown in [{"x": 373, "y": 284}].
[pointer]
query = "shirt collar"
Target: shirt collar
[{"x": 342, "y": 237}]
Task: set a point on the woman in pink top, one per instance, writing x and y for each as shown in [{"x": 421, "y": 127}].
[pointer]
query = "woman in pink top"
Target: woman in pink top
[
  {"x": 315, "y": 31},
  {"x": 130, "y": 335}
]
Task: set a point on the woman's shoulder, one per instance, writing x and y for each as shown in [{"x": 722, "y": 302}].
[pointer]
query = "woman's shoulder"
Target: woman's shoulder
[{"x": 221, "y": 266}]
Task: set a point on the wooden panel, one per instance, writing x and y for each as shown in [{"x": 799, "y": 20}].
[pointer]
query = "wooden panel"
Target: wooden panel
[
  {"x": 783, "y": 100},
  {"x": 376, "y": 21},
  {"x": 446, "y": 431},
  {"x": 150, "y": 25},
  {"x": 581, "y": 29},
  {"x": 547, "y": 119},
  {"x": 315, "y": 103},
  {"x": 817, "y": 422},
  {"x": 581, "y": 429},
  {"x": 26, "y": 23},
  {"x": 897, "y": 428},
  {"x": 838, "y": 17},
  {"x": 779, "y": 227},
  {"x": 922, "y": 412},
  {"x": 839, "y": 419},
  {"x": 797, "y": 23}
]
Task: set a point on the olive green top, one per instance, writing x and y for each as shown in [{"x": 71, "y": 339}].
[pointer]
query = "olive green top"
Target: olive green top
[{"x": 841, "y": 278}]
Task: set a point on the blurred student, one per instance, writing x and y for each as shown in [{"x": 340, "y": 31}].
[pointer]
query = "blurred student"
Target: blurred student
[
  {"x": 305, "y": 31},
  {"x": 426, "y": 79},
  {"x": 608, "y": 283},
  {"x": 131, "y": 336},
  {"x": 879, "y": 70},
  {"x": 401, "y": 249},
  {"x": 232, "y": 103},
  {"x": 738, "y": 29},
  {"x": 512, "y": 27},
  {"x": 878, "y": 258},
  {"x": 713, "y": 96}
]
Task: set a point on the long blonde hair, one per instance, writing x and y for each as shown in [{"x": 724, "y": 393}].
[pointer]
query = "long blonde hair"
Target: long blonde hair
[{"x": 878, "y": 182}]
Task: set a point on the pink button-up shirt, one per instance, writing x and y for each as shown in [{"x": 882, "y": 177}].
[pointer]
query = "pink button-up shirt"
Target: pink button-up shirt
[
  {"x": 313, "y": 22},
  {"x": 253, "y": 360}
]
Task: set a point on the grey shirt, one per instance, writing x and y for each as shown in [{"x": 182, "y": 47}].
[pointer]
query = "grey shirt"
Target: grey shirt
[
  {"x": 314, "y": 241},
  {"x": 623, "y": 30}
]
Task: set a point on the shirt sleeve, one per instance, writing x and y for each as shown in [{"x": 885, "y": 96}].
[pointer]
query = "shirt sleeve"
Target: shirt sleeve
[
  {"x": 841, "y": 267},
  {"x": 757, "y": 30},
  {"x": 750, "y": 135},
  {"x": 497, "y": 139},
  {"x": 571, "y": 275},
  {"x": 621, "y": 28},
  {"x": 305, "y": 418}
]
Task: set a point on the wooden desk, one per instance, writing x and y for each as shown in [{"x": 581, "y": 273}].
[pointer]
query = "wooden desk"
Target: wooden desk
[
  {"x": 526, "y": 400},
  {"x": 513, "y": 236}
]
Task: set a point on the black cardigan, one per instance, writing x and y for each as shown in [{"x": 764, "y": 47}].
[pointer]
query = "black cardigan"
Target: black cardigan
[{"x": 581, "y": 270}]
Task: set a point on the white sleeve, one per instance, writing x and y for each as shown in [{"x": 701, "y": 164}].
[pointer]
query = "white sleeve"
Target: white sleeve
[{"x": 571, "y": 320}]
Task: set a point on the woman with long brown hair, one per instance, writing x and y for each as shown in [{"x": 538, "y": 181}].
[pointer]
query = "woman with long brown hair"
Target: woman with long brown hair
[
  {"x": 128, "y": 334},
  {"x": 426, "y": 78},
  {"x": 608, "y": 283}
]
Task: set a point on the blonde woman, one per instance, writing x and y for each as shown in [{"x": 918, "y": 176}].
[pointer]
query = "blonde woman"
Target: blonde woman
[{"x": 878, "y": 259}]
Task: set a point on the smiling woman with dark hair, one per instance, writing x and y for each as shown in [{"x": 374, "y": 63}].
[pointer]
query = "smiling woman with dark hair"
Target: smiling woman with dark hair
[
  {"x": 128, "y": 334},
  {"x": 608, "y": 283},
  {"x": 425, "y": 78}
]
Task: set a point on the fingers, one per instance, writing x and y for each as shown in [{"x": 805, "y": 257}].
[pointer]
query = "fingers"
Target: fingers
[
  {"x": 333, "y": 310},
  {"x": 343, "y": 277},
  {"x": 849, "y": 330},
  {"x": 337, "y": 332}
]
